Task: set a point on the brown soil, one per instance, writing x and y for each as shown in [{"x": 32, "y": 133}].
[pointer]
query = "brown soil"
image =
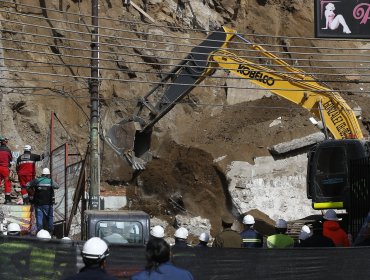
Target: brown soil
[{"x": 182, "y": 178}]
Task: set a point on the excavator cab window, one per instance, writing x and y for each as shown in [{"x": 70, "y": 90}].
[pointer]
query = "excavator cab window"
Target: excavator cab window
[
  {"x": 120, "y": 232},
  {"x": 327, "y": 177},
  {"x": 331, "y": 171}
]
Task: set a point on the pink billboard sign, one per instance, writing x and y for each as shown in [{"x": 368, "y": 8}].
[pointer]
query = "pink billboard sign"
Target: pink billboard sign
[{"x": 342, "y": 19}]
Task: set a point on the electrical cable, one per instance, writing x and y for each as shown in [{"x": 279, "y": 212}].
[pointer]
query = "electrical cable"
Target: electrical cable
[
  {"x": 162, "y": 83},
  {"x": 221, "y": 68},
  {"x": 179, "y": 28},
  {"x": 134, "y": 102},
  {"x": 6, "y": 68},
  {"x": 145, "y": 41},
  {"x": 253, "y": 88},
  {"x": 268, "y": 65},
  {"x": 147, "y": 34},
  {"x": 184, "y": 59}
]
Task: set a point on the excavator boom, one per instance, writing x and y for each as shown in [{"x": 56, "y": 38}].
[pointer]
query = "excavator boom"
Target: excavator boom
[{"x": 293, "y": 85}]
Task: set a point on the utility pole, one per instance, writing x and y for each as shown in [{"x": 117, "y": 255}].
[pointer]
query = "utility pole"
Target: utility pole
[{"x": 94, "y": 113}]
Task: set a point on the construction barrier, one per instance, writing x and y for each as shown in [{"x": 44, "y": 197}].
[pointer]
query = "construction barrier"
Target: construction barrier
[{"x": 29, "y": 258}]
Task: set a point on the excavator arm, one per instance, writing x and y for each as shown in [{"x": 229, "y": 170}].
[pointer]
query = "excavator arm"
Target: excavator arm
[{"x": 131, "y": 137}]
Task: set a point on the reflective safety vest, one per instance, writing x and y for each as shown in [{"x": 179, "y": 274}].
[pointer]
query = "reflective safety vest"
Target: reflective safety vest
[
  {"x": 280, "y": 241},
  {"x": 251, "y": 238}
]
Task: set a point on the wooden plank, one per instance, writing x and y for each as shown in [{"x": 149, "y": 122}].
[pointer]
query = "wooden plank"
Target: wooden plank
[{"x": 140, "y": 10}]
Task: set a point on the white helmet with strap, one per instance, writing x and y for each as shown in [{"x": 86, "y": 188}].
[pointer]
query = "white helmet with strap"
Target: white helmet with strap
[
  {"x": 27, "y": 148},
  {"x": 13, "y": 229},
  {"x": 95, "y": 249}
]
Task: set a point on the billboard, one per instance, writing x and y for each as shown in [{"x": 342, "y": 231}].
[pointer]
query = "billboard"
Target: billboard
[{"x": 342, "y": 19}]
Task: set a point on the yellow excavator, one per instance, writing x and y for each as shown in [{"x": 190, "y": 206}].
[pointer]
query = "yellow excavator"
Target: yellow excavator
[{"x": 327, "y": 177}]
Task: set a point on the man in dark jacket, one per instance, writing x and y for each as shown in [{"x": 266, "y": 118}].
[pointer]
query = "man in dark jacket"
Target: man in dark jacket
[
  {"x": 43, "y": 189},
  {"x": 203, "y": 240},
  {"x": 181, "y": 236},
  {"x": 94, "y": 254},
  {"x": 26, "y": 170},
  {"x": 159, "y": 265},
  {"x": 251, "y": 238},
  {"x": 228, "y": 238},
  {"x": 317, "y": 239},
  {"x": 5, "y": 160}
]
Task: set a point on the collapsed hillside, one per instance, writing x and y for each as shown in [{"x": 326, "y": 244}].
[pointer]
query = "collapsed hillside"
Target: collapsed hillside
[{"x": 194, "y": 144}]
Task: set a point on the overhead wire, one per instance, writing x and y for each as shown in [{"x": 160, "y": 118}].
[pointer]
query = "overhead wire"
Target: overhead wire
[
  {"x": 134, "y": 32},
  {"x": 159, "y": 73},
  {"x": 173, "y": 27},
  {"x": 232, "y": 87},
  {"x": 133, "y": 101},
  {"x": 172, "y": 64},
  {"x": 182, "y": 52},
  {"x": 268, "y": 65},
  {"x": 102, "y": 36}
]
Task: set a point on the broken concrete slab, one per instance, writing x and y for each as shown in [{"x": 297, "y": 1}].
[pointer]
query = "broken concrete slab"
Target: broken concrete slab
[
  {"x": 114, "y": 202},
  {"x": 276, "y": 187},
  {"x": 295, "y": 144}
]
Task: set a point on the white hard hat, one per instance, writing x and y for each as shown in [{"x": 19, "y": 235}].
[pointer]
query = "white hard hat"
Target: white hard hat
[
  {"x": 204, "y": 236},
  {"x": 330, "y": 215},
  {"x": 305, "y": 233},
  {"x": 248, "y": 220},
  {"x": 13, "y": 228},
  {"x": 181, "y": 233},
  {"x": 46, "y": 171},
  {"x": 27, "y": 148},
  {"x": 95, "y": 249},
  {"x": 157, "y": 231},
  {"x": 66, "y": 238},
  {"x": 43, "y": 234},
  {"x": 281, "y": 223}
]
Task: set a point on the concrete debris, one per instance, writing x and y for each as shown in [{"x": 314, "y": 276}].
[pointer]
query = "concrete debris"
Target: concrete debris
[
  {"x": 275, "y": 122},
  {"x": 267, "y": 184},
  {"x": 358, "y": 111},
  {"x": 295, "y": 144},
  {"x": 195, "y": 225},
  {"x": 158, "y": 222},
  {"x": 219, "y": 159}
]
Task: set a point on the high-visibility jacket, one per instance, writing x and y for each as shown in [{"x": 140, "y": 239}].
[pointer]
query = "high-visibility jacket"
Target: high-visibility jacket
[
  {"x": 26, "y": 164},
  {"x": 251, "y": 238},
  {"x": 280, "y": 241},
  {"x": 5, "y": 156}
]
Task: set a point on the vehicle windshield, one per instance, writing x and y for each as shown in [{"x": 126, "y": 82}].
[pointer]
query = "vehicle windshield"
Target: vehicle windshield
[
  {"x": 332, "y": 160},
  {"x": 119, "y": 232},
  {"x": 331, "y": 175}
]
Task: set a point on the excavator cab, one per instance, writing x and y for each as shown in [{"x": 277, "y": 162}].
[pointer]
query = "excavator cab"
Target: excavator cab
[{"x": 328, "y": 171}]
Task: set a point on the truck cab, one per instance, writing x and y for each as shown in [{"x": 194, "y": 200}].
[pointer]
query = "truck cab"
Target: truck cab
[{"x": 122, "y": 227}]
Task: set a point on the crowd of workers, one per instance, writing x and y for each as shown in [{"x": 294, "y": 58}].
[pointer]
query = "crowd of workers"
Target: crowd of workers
[
  {"x": 323, "y": 233},
  {"x": 326, "y": 233}
]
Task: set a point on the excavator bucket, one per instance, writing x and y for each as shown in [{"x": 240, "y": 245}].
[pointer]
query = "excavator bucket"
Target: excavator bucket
[{"x": 122, "y": 138}]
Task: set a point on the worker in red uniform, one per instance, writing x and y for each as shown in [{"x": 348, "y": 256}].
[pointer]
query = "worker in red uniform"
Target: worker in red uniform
[
  {"x": 332, "y": 229},
  {"x": 26, "y": 170},
  {"x": 5, "y": 160}
]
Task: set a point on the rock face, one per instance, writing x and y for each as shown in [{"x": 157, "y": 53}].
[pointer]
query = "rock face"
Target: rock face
[{"x": 221, "y": 127}]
